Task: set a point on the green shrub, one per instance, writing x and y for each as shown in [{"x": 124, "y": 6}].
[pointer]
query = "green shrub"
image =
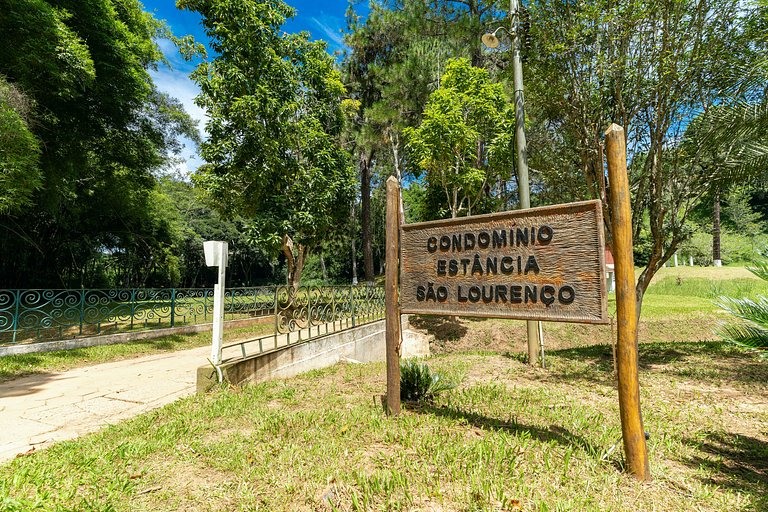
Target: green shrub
[
  {"x": 734, "y": 247},
  {"x": 420, "y": 384},
  {"x": 750, "y": 332}
]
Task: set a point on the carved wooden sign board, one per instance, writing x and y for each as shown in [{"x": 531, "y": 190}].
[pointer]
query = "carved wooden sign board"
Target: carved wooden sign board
[{"x": 536, "y": 264}]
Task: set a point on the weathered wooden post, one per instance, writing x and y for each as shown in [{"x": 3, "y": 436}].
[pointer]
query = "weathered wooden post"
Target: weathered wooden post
[
  {"x": 632, "y": 430},
  {"x": 392, "y": 296}
]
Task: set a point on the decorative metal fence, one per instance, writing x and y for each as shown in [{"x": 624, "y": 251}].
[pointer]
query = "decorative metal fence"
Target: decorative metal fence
[
  {"x": 316, "y": 306},
  {"x": 28, "y": 315},
  {"x": 37, "y": 315},
  {"x": 309, "y": 312}
]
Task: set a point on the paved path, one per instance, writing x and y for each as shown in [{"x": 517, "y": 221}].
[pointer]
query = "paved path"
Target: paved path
[{"x": 38, "y": 410}]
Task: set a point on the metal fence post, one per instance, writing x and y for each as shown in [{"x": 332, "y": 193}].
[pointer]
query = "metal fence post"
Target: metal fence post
[
  {"x": 17, "y": 300},
  {"x": 133, "y": 304},
  {"x": 352, "y": 304},
  {"x": 173, "y": 306},
  {"x": 82, "y": 308},
  {"x": 276, "y": 320}
]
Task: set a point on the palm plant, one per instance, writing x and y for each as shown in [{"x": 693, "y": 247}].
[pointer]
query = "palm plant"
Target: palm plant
[
  {"x": 420, "y": 384},
  {"x": 739, "y": 132},
  {"x": 750, "y": 332}
]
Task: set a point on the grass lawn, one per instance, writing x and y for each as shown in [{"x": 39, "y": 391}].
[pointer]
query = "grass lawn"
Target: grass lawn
[
  {"x": 509, "y": 437},
  {"x": 706, "y": 282}
]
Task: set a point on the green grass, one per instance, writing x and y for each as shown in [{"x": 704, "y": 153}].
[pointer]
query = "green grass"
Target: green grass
[
  {"x": 509, "y": 436},
  {"x": 658, "y": 306},
  {"x": 705, "y": 288},
  {"x": 15, "y": 366},
  {"x": 710, "y": 273}
]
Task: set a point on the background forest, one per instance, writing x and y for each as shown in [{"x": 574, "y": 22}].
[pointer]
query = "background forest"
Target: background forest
[{"x": 299, "y": 143}]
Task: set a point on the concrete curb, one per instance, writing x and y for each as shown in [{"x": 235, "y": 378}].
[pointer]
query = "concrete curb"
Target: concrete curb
[{"x": 111, "y": 339}]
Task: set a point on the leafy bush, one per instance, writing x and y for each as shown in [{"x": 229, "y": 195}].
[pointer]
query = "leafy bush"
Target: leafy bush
[
  {"x": 418, "y": 383},
  {"x": 734, "y": 247},
  {"x": 751, "y": 331}
]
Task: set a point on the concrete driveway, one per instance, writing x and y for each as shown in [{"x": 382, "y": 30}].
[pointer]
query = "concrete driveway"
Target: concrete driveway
[{"x": 38, "y": 410}]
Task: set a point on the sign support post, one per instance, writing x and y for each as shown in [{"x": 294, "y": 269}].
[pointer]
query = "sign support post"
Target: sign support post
[
  {"x": 632, "y": 431},
  {"x": 216, "y": 256},
  {"x": 392, "y": 296}
]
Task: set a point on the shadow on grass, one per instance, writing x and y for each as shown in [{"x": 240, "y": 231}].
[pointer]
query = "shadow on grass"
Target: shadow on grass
[
  {"x": 734, "y": 461},
  {"x": 591, "y": 363},
  {"x": 554, "y": 433},
  {"x": 710, "y": 362},
  {"x": 443, "y": 328}
]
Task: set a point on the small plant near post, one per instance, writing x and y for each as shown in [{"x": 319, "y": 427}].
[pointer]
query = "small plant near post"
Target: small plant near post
[{"x": 418, "y": 383}]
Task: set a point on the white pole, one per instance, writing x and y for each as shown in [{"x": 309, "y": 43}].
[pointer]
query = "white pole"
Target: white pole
[
  {"x": 690, "y": 259},
  {"x": 218, "y": 302},
  {"x": 675, "y": 259}
]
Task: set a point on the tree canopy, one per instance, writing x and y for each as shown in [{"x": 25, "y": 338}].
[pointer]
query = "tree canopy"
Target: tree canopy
[
  {"x": 463, "y": 142},
  {"x": 84, "y": 131},
  {"x": 273, "y": 153},
  {"x": 85, "y": 136}
]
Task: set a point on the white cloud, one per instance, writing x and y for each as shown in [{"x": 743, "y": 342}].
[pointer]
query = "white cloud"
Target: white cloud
[
  {"x": 187, "y": 161},
  {"x": 177, "y": 84},
  {"x": 332, "y": 31},
  {"x": 181, "y": 87}
]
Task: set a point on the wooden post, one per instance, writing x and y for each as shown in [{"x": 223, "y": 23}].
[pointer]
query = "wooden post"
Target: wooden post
[
  {"x": 632, "y": 430},
  {"x": 392, "y": 299}
]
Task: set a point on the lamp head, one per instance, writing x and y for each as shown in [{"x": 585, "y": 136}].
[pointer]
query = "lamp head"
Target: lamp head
[{"x": 490, "y": 40}]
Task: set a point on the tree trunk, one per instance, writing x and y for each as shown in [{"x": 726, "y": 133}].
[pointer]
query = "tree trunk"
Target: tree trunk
[
  {"x": 716, "y": 231},
  {"x": 322, "y": 267},
  {"x": 365, "y": 200},
  {"x": 295, "y": 256},
  {"x": 354, "y": 248},
  {"x": 395, "y": 141}
]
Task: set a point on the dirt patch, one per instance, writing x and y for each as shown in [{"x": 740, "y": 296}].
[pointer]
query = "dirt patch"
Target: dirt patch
[
  {"x": 183, "y": 483},
  {"x": 502, "y": 336}
]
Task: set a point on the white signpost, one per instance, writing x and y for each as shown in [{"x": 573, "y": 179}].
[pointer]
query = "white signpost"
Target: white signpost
[{"x": 216, "y": 255}]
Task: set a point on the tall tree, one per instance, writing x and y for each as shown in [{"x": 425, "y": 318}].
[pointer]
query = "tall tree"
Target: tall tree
[
  {"x": 101, "y": 131},
  {"x": 19, "y": 171},
  {"x": 274, "y": 103},
  {"x": 463, "y": 142},
  {"x": 649, "y": 66},
  {"x": 395, "y": 60}
]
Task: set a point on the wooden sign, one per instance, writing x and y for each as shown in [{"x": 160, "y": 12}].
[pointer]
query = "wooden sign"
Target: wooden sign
[{"x": 535, "y": 264}]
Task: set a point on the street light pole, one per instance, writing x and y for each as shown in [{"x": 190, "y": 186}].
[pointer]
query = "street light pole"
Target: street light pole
[{"x": 523, "y": 187}]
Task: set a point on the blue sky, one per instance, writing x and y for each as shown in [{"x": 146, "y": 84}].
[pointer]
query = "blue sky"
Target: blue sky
[{"x": 323, "y": 19}]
